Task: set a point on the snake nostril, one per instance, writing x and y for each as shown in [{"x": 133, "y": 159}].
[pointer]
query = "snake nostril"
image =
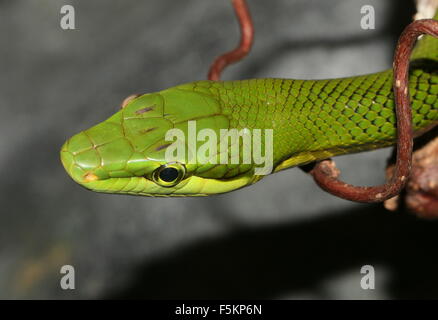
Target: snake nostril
[{"x": 89, "y": 176}]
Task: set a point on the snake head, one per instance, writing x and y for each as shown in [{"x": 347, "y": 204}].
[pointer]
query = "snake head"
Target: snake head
[{"x": 129, "y": 152}]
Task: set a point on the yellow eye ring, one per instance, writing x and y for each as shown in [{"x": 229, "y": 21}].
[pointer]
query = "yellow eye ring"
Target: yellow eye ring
[{"x": 169, "y": 174}]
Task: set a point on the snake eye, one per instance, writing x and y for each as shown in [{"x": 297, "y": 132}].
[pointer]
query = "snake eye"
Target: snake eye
[{"x": 169, "y": 174}]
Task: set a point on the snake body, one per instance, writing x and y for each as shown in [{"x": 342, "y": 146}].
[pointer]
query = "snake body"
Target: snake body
[{"x": 310, "y": 120}]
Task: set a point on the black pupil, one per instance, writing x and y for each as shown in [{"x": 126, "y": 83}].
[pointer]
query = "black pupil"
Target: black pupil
[{"x": 168, "y": 174}]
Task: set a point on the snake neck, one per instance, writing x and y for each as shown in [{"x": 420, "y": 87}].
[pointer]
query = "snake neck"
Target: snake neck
[{"x": 316, "y": 119}]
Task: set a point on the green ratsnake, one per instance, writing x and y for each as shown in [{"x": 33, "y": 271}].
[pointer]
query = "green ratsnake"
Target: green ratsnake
[{"x": 310, "y": 120}]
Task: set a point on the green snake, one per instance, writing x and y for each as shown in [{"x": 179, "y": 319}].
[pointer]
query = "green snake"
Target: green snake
[{"x": 310, "y": 120}]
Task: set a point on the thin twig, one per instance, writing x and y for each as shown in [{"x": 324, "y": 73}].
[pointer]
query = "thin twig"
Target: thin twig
[
  {"x": 325, "y": 173},
  {"x": 247, "y": 35}
]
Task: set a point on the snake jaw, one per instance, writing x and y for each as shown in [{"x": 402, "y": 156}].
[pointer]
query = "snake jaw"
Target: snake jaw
[{"x": 192, "y": 186}]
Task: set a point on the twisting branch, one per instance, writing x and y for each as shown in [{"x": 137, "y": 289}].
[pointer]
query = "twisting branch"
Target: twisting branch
[
  {"x": 420, "y": 195},
  {"x": 325, "y": 173},
  {"x": 247, "y": 36}
]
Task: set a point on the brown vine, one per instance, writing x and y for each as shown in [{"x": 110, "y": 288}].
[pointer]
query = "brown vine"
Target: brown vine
[
  {"x": 325, "y": 172},
  {"x": 247, "y": 36}
]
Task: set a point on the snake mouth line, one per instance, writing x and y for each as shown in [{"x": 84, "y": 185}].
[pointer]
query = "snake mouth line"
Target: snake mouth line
[
  {"x": 134, "y": 186},
  {"x": 192, "y": 186}
]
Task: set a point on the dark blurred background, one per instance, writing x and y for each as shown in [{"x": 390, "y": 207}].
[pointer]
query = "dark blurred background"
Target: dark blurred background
[{"x": 281, "y": 238}]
